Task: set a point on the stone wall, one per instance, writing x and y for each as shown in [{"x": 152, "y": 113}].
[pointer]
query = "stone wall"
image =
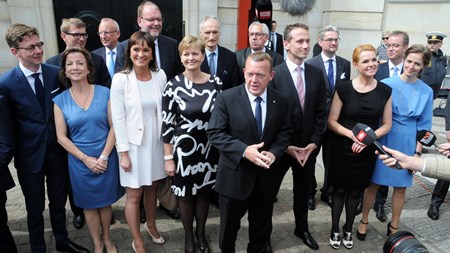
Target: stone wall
[{"x": 360, "y": 21}]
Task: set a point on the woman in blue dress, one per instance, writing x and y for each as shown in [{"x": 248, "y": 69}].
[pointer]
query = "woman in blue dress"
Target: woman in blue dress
[
  {"x": 412, "y": 102},
  {"x": 83, "y": 128}
]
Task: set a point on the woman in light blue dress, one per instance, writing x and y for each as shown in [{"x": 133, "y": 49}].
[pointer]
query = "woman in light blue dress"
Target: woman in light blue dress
[
  {"x": 83, "y": 128},
  {"x": 412, "y": 102}
]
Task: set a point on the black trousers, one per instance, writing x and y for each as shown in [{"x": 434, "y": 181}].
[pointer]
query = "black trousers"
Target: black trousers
[
  {"x": 54, "y": 173},
  {"x": 260, "y": 209},
  {"x": 301, "y": 176},
  {"x": 327, "y": 150},
  {"x": 439, "y": 192},
  {"x": 7, "y": 244},
  {"x": 382, "y": 194}
]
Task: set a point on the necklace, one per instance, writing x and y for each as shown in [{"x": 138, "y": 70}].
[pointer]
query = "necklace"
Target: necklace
[{"x": 82, "y": 105}]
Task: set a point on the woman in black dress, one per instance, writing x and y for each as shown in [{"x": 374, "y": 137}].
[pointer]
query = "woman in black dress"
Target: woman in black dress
[
  {"x": 361, "y": 100},
  {"x": 188, "y": 100}
]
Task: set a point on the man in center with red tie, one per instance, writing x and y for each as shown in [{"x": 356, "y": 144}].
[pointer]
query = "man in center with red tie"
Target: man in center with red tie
[{"x": 307, "y": 113}]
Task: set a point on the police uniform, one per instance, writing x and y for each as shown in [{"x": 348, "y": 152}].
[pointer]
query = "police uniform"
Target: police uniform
[{"x": 434, "y": 73}]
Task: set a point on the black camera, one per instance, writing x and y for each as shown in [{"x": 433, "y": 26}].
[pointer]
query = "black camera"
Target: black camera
[{"x": 403, "y": 242}]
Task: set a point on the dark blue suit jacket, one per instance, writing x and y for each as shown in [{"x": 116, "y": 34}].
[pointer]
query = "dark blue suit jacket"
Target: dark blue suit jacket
[
  {"x": 34, "y": 129},
  {"x": 168, "y": 54},
  {"x": 232, "y": 128},
  {"x": 6, "y": 145},
  {"x": 383, "y": 71},
  {"x": 118, "y": 66},
  {"x": 101, "y": 75},
  {"x": 227, "y": 68}
]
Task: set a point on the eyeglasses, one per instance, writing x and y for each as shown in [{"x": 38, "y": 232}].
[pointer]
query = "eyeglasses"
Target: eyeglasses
[
  {"x": 395, "y": 45},
  {"x": 33, "y": 47},
  {"x": 78, "y": 35},
  {"x": 256, "y": 34},
  {"x": 152, "y": 19},
  {"x": 330, "y": 40},
  {"x": 385, "y": 38},
  {"x": 106, "y": 33}
]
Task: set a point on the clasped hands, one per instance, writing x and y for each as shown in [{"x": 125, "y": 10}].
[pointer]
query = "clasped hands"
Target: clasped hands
[
  {"x": 96, "y": 165},
  {"x": 301, "y": 154},
  {"x": 262, "y": 159}
]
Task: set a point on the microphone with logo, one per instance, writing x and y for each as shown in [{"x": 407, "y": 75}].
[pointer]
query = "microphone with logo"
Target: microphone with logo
[
  {"x": 366, "y": 135},
  {"x": 426, "y": 138}
]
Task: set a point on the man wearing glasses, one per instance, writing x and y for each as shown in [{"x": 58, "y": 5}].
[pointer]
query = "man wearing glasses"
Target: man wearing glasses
[
  {"x": 335, "y": 69},
  {"x": 381, "y": 49},
  {"x": 73, "y": 33},
  {"x": 258, "y": 34},
  {"x": 40, "y": 161},
  {"x": 150, "y": 20},
  {"x": 396, "y": 46},
  {"x": 109, "y": 33}
]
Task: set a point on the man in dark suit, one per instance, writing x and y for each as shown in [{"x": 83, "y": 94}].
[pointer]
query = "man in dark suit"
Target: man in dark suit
[
  {"x": 396, "y": 46},
  {"x": 6, "y": 181},
  {"x": 150, "y": 20},
  {"x": 167, "y": 57},
  {"x": 304, "y": 86},
  {"x": 73, "y": 32},
  {"x": 109, "y": 33},
  {"x": 250, "y": 126},
  {"x": 223, "y": 61},
  {"x": 335, "y": 69},
  {"x": 29, "y": 89},
  {"x": 276, "y": 40},
  {"x": 258, "y": 34}
]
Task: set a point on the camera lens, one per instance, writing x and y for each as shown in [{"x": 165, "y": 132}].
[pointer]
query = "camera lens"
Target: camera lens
[{"x": 403, "y": 242}]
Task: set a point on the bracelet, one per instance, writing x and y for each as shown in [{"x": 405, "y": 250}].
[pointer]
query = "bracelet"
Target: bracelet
[
  {"x": 104, "y": 158},
  {"x": 82, "y": 157},
  {"x": 168, "y": 157},
  {"x": 418, "y": 153}
]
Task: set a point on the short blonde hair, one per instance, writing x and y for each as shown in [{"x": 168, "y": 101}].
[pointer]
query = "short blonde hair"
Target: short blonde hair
[{"x": 191, "y": 41}]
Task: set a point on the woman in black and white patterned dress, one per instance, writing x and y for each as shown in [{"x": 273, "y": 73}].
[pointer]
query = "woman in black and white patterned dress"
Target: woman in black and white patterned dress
[{"x": 188, "y": 100}]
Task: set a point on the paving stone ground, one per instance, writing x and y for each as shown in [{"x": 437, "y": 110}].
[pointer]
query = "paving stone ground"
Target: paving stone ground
[{"x": 433, "y": 234}]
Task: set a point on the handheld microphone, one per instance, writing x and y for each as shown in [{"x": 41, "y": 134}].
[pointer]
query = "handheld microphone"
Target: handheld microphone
[
  {"x": 366, "y": 135},
  {"x": 426, "y": 138}
]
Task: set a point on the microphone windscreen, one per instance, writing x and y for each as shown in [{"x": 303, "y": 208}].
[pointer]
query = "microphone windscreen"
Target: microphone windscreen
[
  {"x": 297, "y": 7},
  {"x": 426, "y": 138},
  {"x": 364, "y": 133}
]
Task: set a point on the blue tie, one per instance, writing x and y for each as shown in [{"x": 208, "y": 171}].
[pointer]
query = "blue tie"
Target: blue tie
[
  {"x": 258, "y": 116},
  {"x": 395, "y": 71},
  {"x": 212, "y": 64},
  {"x": 39, "y": 89},
  {"x": 330, "y": 75},
  {"x": 111, "y": 63}
]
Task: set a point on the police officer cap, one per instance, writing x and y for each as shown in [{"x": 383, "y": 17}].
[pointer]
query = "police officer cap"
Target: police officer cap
[{"x": 435, "y": 36}]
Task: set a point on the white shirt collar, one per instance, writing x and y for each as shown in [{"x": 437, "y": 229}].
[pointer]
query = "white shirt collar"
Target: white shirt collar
[
  {"x": 252, "y": 97},
  {"x": 28, "y": 72},
  {"x": 325, "y": 58},
  {"x": 292, "y": 66}
]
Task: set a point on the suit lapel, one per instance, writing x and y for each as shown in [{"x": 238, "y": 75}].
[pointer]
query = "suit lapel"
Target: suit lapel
[
  {"x": 270, "y": 105},
  {"x": 24, "y": 85},
  {"x": 48, "y": 87},
  {"x": 291, "y": 85},
  {"x": 220, "y": 62}
]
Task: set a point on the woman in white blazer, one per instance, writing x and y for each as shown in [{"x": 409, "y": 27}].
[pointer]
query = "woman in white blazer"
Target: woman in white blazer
[{"x": 136, "y": 115}]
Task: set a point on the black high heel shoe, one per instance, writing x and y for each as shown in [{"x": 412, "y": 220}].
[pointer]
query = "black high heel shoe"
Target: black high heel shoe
[
  {"x": 389, "y": 232},
  {"x": 203, "y": 246},
  {"x": 359, "y": 235}
]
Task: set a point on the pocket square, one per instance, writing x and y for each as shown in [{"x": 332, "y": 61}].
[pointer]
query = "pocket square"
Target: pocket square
[
  {"x": 225, "y": 72},
  {"x": 53, "y": 91},
  {"x": 343, "y": 76}
]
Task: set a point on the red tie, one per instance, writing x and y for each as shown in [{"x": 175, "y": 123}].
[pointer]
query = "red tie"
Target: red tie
[{"x": 300, "y": 87}]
